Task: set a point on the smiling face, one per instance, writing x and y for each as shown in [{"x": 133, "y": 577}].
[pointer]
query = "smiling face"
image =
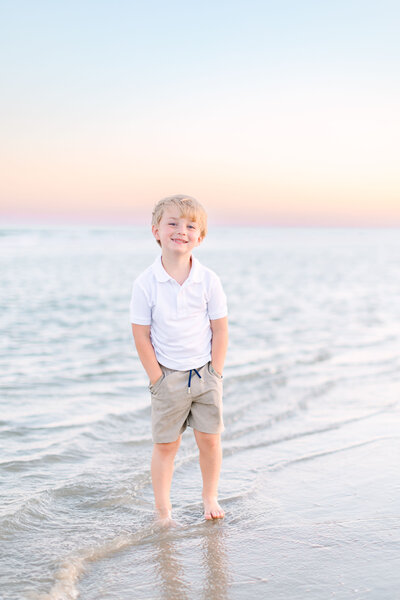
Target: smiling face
[{"x": 177, "y": 233}]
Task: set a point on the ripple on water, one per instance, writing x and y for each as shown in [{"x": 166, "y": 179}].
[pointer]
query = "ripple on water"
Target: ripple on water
[{"x": 312, "y": 373}]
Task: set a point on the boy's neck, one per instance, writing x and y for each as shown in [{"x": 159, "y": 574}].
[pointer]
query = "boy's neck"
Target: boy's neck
[{"x": 178, "y": 267}]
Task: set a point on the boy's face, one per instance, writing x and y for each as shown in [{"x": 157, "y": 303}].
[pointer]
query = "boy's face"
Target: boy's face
[{"x": 176, "y": 233}]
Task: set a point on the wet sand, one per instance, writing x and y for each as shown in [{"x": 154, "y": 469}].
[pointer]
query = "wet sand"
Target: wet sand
[{"x": 321, "y": 522}]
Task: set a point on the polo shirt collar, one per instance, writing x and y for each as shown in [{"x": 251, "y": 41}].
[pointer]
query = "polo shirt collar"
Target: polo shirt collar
[
  {"x": 195, "y": 271},
  {"x": 159, "y": 271},
  {"x": 162, "y": 275}
]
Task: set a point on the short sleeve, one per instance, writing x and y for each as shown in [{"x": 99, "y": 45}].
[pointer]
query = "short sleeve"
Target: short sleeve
[
  {"x": 140, "y": 308},
  {"x": 217, "y": 306}
]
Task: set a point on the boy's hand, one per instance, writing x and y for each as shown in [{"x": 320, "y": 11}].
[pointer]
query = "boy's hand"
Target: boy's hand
[
  {"x": 153, "y": 381},
  {"x": 216, "y": 370}
]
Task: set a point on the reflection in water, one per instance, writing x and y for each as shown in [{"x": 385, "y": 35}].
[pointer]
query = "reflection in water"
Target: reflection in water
[
  {"x": 175, "y": 576},
  {"x": 215, "y": 563},
  {"x": 170, "y": 571}
]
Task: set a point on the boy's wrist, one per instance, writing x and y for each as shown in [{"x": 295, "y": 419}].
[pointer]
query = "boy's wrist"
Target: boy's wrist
[
  {"x": 217, "y": 368},
  {"x": 155, "y": 376}
]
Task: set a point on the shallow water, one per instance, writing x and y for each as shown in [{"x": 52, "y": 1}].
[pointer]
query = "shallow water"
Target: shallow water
[{"x": 310, "y": 479}]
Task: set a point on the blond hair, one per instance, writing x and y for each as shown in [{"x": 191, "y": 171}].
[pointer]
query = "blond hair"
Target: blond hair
[{"x": 188, "y": 207}]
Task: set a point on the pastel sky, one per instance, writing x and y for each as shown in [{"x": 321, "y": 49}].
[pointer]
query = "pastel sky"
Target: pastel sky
[{"x": 281, "y": 113}]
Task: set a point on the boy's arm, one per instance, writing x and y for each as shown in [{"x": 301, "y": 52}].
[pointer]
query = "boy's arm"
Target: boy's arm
[
  {"x": 145, "y": 350},
  {"x": 219, "y": 343}
]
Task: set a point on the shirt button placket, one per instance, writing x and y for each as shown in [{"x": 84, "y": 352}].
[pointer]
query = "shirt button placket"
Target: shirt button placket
[
  {"x": 183, "y": 300},
  {"x": 179, "y": 302}
]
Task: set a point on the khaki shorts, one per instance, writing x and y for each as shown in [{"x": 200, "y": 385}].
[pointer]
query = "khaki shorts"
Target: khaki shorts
[{"x": 174, "y": 407}]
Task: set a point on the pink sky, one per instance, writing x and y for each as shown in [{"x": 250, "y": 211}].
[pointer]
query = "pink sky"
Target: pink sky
[{"x": 260, "y": 119}]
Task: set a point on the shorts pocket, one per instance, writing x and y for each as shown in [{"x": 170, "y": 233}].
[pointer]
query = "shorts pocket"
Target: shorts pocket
[
  {"x": 213, "y": 371},
  {"x": 154, "y": 387}
]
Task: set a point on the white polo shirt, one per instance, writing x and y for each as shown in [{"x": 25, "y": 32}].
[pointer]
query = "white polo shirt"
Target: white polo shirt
[{"x": 179, "y": 315}]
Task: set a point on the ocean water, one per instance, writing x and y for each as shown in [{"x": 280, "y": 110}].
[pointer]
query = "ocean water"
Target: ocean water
[{"x": 310, "y": 479}]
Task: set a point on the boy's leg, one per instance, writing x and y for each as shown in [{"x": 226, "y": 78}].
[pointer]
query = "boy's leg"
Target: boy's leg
[
  {"x": 210, "y": 464},
  {"x": 162, "y": 468}
]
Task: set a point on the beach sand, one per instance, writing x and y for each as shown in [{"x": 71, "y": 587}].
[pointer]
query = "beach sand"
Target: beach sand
[{"x": 321, "y": 522}]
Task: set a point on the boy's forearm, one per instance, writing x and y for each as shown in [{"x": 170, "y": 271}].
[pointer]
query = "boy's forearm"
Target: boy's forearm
[
  {"x": 146, "y": 354},
  {"x": 149, "y": 361},
  {"x": 219, "y": 343}
]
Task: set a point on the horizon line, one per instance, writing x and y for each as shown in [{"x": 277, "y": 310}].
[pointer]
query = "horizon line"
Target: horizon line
[{"x": 71, "y": 224}]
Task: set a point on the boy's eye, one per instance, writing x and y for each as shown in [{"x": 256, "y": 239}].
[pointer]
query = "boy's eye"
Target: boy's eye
[
  {"x": 192, "y": 226},
  {"x": 172, "y": 223}
]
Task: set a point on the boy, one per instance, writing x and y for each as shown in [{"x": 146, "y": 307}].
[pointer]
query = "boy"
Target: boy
[{"x": 179, "y": 323}]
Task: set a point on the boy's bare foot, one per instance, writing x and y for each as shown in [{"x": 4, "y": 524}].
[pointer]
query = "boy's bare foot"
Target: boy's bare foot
[
  {"x": 212, "y": 509},
  {"x": 164, "y": 519},
  {"x": 167, "y": 522}
]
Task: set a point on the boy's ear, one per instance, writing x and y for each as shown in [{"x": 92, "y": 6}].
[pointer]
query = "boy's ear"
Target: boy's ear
[{"x": 154, "y": 229}]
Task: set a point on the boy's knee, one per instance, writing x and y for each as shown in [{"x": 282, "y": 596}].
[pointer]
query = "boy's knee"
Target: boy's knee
[
  {"x": 208, "y": 441},
  {"x": 167, "y": 447}
]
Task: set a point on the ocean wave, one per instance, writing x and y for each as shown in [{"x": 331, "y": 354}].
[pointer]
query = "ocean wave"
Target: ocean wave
[
  {"x": 74, "y": 566},
  {"x": 334, "y": 425},
  {"x": 278, "y": 466}
]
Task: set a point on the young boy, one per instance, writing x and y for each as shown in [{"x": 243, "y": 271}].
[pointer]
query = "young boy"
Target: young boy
[{"x": 179, "y": 323}]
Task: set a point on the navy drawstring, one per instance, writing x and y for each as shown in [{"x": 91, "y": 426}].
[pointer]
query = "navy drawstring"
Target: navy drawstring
[{"x": 190, "y": 378}]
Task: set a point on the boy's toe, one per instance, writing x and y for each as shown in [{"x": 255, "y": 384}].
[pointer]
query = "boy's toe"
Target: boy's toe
[
  {"x": 212, "y": 510},
  {"x": 214, "y": 514}
]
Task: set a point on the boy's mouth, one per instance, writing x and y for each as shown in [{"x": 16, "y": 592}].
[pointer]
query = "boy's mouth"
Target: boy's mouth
[{"x": 179, "y": 241}]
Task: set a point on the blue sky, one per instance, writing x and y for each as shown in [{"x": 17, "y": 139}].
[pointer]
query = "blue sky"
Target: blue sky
[{"x": 108, "y": 106}]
